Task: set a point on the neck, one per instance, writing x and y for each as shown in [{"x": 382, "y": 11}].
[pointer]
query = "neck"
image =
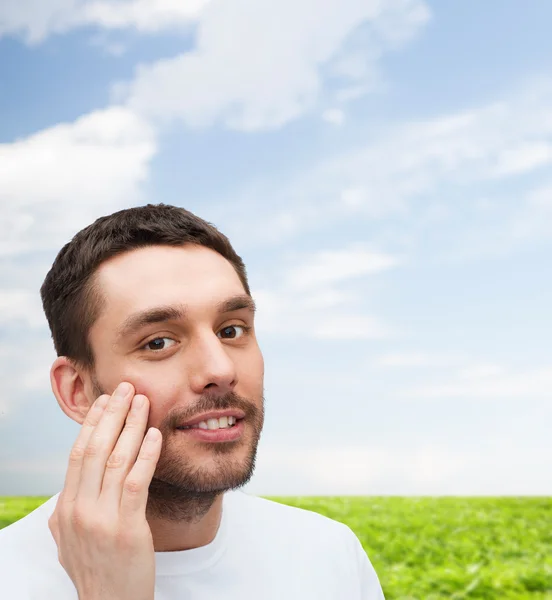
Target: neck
[{"x": 183, "y": 522}]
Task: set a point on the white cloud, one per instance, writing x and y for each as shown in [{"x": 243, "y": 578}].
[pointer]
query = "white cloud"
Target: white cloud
[
  {"x": 418, "y": 176},
  {"x": 335, "y": 116},
  {"x": 316, "y": 299},
  {"x": 22, "y": 306},
  {"x": 501, "y": 468},
  {"x": 109, "y": 47},
  {"x": 325, "y": 298},
  {"x": 24, "y": 369},
  {"x": 350, "y": 327},
  {"x": 56, "y": 181},
  {"x": 503, "y": 139},
  {"x": 290, "y": 41},
  {"x": 528, "y": 156},
  {"x": 35, "y": 20},
  {"x": 353, "y": 197},
  {"x": 260, "y": 224},
  {"x": 324, "y": 314},
  {"x": 331, "y": 266},
  {"x": 481, "y": 372},
  {"x": 414, "y": 359},
  {"x": 144, "y": 15},
  {"x": 540, "y": 198},
  {"x": 489, "y": 382}
]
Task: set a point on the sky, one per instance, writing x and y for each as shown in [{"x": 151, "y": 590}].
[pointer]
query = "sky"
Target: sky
[{"x": 384, "y": 169}]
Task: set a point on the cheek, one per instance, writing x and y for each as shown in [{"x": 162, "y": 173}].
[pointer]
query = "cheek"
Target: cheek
[
  {"x": 161, "y": 392},
  {"x": 253, "y": 375},
  {"x": 158, "y": 391}
]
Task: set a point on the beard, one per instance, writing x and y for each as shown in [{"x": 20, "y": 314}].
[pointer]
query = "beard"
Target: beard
[{"x": 181, "y": 488}]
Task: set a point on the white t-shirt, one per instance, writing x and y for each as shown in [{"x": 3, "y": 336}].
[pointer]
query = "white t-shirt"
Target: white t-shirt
[{"x": 263, "y": 550}]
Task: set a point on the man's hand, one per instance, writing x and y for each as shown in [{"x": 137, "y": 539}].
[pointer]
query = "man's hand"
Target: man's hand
[{"x": 99, "y": 523}]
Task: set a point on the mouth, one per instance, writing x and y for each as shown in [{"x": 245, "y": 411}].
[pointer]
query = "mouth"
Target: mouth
[
  {"x": 213, "y": 424},
  {"x": 218, "y": 433}
]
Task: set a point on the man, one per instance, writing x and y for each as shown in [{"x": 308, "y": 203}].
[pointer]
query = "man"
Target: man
[{"x": 153, "y": 324}]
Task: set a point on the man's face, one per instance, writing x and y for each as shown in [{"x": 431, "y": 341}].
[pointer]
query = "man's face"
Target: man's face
[{"x": 193, "y": 363}]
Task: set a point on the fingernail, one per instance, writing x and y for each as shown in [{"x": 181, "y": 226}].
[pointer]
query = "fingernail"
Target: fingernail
[
  {"x": 153, "y": 435},
  {"x": 138, "y": 402},
  {"x": 122, "y": 390},
  {"x": 101, "y": 402}
]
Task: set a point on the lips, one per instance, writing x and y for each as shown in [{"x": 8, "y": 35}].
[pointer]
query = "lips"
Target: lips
[
  {"x": 227, "y": 434},
  {"x": 239, "y": 414},
  {"x": 231, "y": 422}
]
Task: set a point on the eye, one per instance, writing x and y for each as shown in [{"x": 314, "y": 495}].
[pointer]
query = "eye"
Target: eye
[
  {"x": 159, "y": 343},
  {"x": 245, "y": 328}
]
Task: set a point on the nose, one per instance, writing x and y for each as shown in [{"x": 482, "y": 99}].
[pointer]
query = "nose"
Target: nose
[{"x": 209, "y": 365}]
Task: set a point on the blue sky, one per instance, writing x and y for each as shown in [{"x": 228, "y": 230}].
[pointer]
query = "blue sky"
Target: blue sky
[{"x": 384, "y": 170}]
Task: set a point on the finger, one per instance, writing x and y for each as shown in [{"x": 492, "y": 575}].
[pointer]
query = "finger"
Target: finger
[
  {"x": 76, "y": 456},
  {"x": 135, "y": 488},
  {"x": 53, "y": 526},
  {"x": 103, "y": 440},
  {"x": 124, "y": 454}
]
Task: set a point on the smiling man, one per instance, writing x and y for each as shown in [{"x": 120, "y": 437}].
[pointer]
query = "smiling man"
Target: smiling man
[{"x": 153, "y": 323}]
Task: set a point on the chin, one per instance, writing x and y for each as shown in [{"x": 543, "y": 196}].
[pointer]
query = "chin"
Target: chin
[{"x": 203, "y": 469}]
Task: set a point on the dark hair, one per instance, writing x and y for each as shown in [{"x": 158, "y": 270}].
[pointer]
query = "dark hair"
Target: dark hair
[{"x": 70, "y": 295}]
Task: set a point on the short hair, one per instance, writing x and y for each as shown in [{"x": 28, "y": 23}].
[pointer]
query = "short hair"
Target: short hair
[{"x": 71, "y": 297}]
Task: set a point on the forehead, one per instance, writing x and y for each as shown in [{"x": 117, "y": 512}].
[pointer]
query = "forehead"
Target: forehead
[{"x": 162, "y": 275}]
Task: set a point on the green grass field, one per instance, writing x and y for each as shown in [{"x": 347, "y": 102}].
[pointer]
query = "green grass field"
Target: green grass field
[{"x": 433, "y": 548}]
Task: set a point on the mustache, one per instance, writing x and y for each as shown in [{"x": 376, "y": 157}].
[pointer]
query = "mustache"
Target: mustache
[{"x": 209, "y": 403}]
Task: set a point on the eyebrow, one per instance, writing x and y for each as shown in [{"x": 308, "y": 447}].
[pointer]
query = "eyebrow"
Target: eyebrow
[{"x": 161, "y": 314}]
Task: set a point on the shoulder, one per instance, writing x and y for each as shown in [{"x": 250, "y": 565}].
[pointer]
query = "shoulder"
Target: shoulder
[
  {"x": 28, "y": 539},
  {"x": 305, "y": 530},
  {"x": 29, "y": 565},
  {"x": 309, "y": 539},
  {"x": 276, "y": 515}
]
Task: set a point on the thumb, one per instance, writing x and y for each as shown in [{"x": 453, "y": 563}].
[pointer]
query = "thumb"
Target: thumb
[{"x": 53, "y": 526}]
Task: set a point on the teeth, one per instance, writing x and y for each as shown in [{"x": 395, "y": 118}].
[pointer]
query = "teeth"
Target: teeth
[{"x": 222, "y": 423}]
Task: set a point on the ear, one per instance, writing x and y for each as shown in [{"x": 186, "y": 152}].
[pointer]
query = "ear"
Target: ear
[{"x": 69, "y": 386}]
